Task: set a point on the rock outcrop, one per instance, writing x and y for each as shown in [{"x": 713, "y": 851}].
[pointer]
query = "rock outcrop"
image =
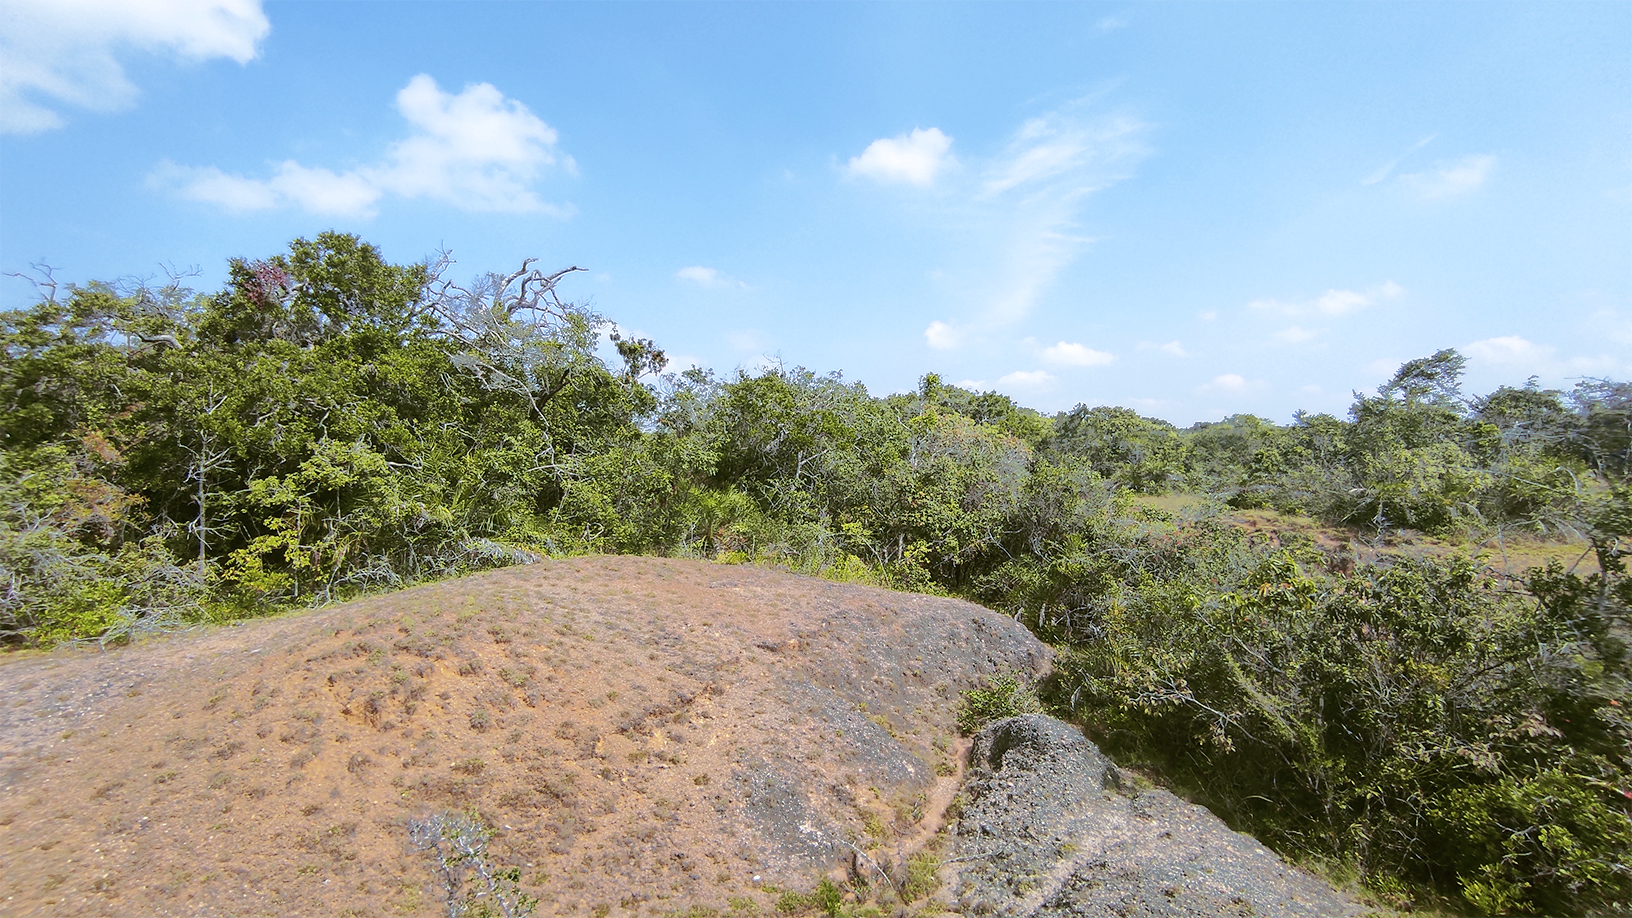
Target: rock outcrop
[
  {"x": 1048, "y": 829},
  {"x": 644, "y": 735}
]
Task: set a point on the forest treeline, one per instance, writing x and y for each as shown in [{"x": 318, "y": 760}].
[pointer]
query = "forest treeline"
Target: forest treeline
[{"x": 330, "y": 423}]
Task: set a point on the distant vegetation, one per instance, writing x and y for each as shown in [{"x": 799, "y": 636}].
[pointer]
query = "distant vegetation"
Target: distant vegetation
[{"x": 330, "y": 424}]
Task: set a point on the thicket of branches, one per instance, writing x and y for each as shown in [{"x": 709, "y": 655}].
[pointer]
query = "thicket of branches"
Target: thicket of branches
[{"x": 330, "y": 423}]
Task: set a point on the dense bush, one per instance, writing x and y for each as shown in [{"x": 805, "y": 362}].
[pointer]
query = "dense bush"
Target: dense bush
[{"x": 1422, "y": 722}]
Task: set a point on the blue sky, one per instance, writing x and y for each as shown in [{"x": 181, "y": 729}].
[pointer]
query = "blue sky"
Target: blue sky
[{"x": 1189, "y": 210}]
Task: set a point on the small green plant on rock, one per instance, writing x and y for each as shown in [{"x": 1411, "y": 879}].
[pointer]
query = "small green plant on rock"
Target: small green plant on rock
[
  {"x": 457, "y": 844},
  {"x": 1003, "y": 696},
  {"x": 826, "y": 899}
]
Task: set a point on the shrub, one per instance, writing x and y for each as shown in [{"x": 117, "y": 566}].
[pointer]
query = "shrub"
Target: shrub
[
  {"x": 1421, "y": 722},
  {"x": 1004, "y": 696}
]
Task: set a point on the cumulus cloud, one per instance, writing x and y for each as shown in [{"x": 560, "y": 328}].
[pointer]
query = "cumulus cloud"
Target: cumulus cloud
[
  {"x": 707, "y": 277},
  {"x": 1077, "y": 355},
  {"x": 914, "y": 158},
  {"x": 476, "y": 150},
  {"x": 57, "y": 53},
  {"x": 942, "y": 336},
  {"x": 1332, "y": 303},
  {"x": 1451, "y": 179},
  {"x": 1026, "y": 379}
]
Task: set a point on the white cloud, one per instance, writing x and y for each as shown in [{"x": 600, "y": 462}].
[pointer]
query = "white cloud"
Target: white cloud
[
  {"x": 1077, "y": 355},
  {"x": 1112, "y": 23},
  {"x": 913, "y": 158},
  {"x": 1448, "y": 180},
  {"x": 1061, "y": 147},
  {"x": 56, "y": 53},
  {"x": 1009, "y": 221},
  {"x": 319, "y": 191},
  {"x": 1026, "y": 379},
  {"x": 942, "y": 336},
  {"x": 1030, "y": 197},
  {"x": 1231, "y": 384},
  {"x": 477, "y": 150},
  {"x": 1172, "y": 347},
  {"x": 212, "y": 186},
  {"x": 1520, "y": 357},
  {"x": 1332, "y": 303},
  {"x": 973, "y": 385},
  {"x": 1208, "y": 315},
  {"x": 707, "y": 277},
  {"x": 1509, "y": 349}
]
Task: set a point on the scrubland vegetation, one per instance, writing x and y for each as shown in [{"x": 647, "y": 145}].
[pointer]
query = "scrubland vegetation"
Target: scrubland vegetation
[{"x": 1453, "y": 736}]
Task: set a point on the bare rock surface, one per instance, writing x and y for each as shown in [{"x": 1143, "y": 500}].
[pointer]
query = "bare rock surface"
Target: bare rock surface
[
  {"x": 644, "y": 735},
  {"x": 1049, "y": 830}
]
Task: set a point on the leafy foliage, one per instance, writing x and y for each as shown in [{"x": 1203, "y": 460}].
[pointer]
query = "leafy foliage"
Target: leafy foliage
[{"x": 1004, "y": 696}]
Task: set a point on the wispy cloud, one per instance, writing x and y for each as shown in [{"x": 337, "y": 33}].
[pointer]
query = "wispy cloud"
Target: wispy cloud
[
  {"x": 1173, "y": 348},
  {"x": 1452, "y": 179},
  {"x": 1515, "y": 354},
  {"x": 1021, "y": 207},
  {"x": 1508, "y": 350},
  {"x": 1026, "y": 379},
  {"x": 1231, "y": 384},
  {"x": 1294, "y": 334},
  {"x": 1612, "y": 325},
  {"x": 1111, "y": 24},
  {"x": 477, "y": 150},
  {"x": 708, "y": 277},
  {"x": 1076, "y": 355},
  {"x": 57, "y": 53},
  {"x": 1065, "y": 152},
  {"x": 914, "y": 159},
  {"x": 1331, "y": 304},
  {"x": 1389, "y": 167}
]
